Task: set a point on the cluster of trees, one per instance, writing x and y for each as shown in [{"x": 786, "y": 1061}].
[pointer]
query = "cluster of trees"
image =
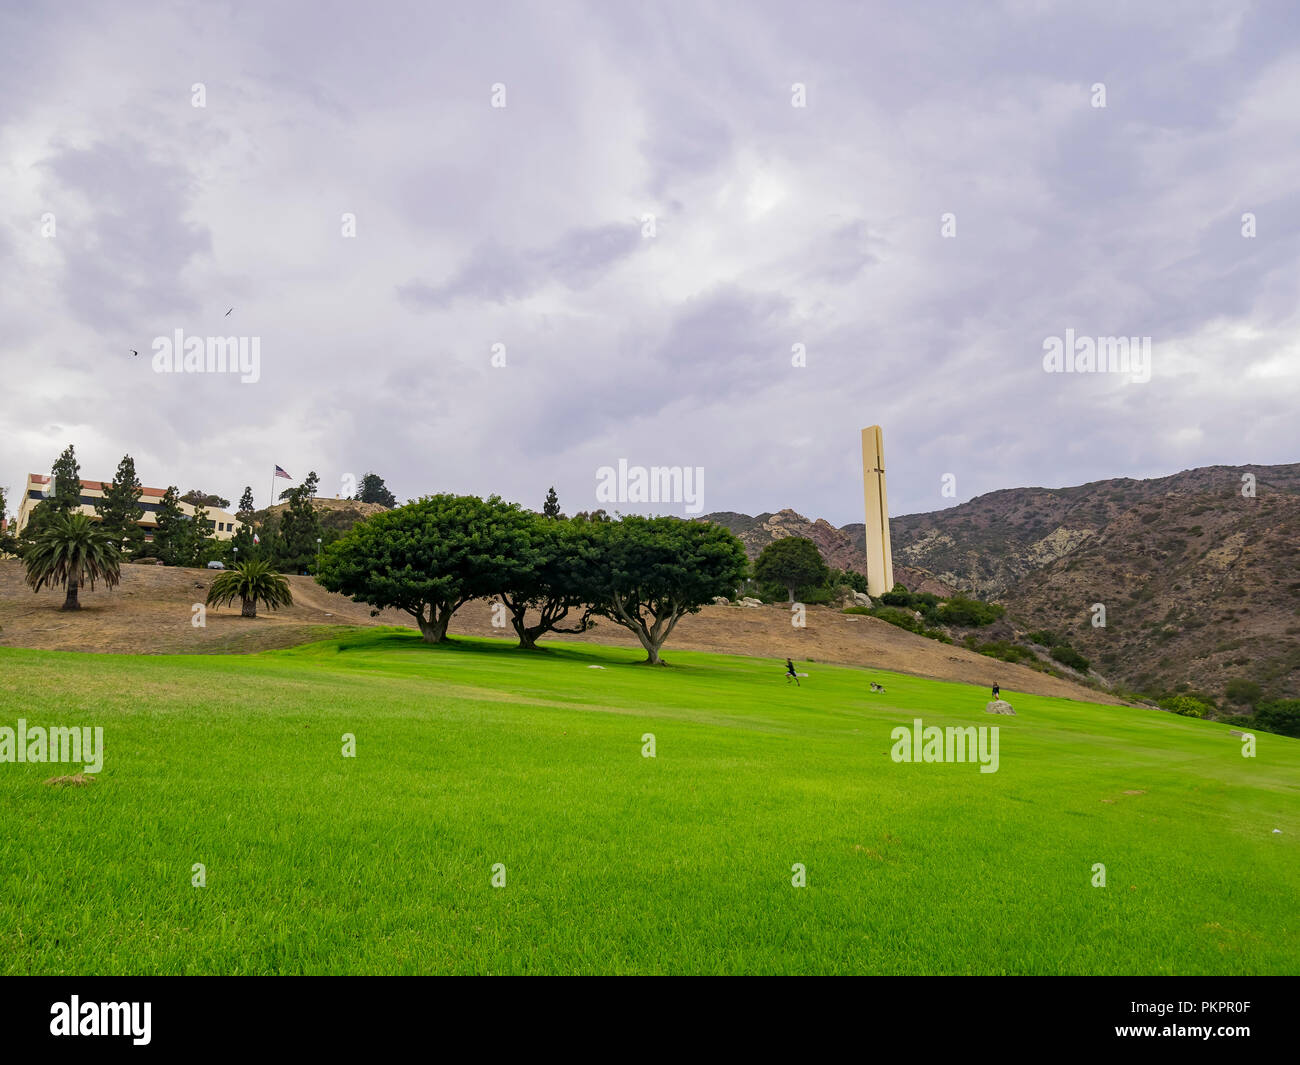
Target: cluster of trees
[
  {"x": 180, "y": 539},
  {"x": 550, "y": 573},
  {"x": 290, "y": 540},
  {"x": 287, "y": 541}
]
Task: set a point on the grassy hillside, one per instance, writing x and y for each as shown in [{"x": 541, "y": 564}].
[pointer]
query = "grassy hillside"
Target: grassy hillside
[{"x": 474, "y": 754}]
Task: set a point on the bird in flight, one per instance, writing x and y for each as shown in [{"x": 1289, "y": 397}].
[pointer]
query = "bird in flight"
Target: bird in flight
[
  {"x": 227, "y": 314},
  {"x": 134, "y": 352}
]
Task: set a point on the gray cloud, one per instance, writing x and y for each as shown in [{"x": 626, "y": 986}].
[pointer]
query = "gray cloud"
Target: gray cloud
[{"x": 775, "y": 225}]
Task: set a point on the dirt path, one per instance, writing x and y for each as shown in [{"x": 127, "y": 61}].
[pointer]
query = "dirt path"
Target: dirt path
[{"x": 151, "y": 612}]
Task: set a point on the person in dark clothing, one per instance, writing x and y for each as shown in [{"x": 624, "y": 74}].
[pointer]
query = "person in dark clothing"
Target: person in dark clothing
[
  {"x": 790, "y": 674},
  {"x": 997, "y": 692}
]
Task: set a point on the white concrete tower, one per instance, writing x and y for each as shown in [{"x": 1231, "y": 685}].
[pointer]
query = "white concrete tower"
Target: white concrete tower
[{"x": 880, "y": 558}]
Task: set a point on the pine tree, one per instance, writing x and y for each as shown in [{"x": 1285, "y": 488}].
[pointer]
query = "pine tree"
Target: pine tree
[
  {"x": 373, "y": 490},
  {"x": 65, "y": 489},
  {"x": 295, "y": 546},
  {"x": 62, "y": 496},
  {"x": 119, "y": 510},
  {"x": 8, "y": 544},
  {"x": 551, "y": 508},
  {"x": 200, "y": 540},
  {"x": 242, "y": 546},
  {"x": 171, "y": 539}
]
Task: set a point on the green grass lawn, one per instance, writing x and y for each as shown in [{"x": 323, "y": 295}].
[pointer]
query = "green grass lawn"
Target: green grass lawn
[{"x": 475, "y": 754}]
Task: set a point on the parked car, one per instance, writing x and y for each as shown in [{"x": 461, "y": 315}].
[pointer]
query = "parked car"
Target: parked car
[{"x": 214, "y": 564}]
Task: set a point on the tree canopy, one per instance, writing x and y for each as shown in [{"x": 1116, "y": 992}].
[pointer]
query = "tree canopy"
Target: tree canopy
[
  {"x": 793, "y": 562},
  {"x": 70, "y": 551},
  {"x": 373, "y": 490},
  {"x": 654, "y": 571},
  {"x": 119, "y": 509},
  {"x": 427, "y": 558}
]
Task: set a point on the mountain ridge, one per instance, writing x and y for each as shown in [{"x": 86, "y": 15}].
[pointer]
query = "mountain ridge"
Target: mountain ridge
[{"x": 1195, "y": 571}]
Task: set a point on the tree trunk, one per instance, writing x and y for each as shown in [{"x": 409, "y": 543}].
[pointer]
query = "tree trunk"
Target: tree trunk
[
  {"x": 249, "y": 609},
  {"x": 434, "y": 627},
  {"x": 651, "y": 640},
  {"x": 652, "y": 637},
  {"x": 72, "y": 602},
  {"x": 790, "y": 589},
  {"x": 527, "y": 636}
]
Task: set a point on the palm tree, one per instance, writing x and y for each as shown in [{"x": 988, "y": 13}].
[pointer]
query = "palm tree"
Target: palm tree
[
  {"x": 250, "y": 582},
  {"x": 71, "y": 550}
]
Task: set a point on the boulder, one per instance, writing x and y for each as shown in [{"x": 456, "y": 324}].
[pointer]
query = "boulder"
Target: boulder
[
  {"x": 861, "y": 599},
  {"x": 751, "y": 601},
  {"x": 999, "y": 706},
  {"x": 720, "y": 600}
]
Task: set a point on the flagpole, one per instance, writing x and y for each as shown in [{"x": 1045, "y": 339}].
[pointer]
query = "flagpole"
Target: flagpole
[{"x": 272, "y": 503}]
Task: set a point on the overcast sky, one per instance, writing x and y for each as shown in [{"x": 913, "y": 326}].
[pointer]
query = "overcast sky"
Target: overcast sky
[{"x": 774, "y": 225}]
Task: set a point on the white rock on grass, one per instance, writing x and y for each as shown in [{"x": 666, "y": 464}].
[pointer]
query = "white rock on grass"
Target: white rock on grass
[{"x": 999, "y": 706}]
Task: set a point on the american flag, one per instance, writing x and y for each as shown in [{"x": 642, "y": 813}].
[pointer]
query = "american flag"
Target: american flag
[{"x": 279, "y": 472}]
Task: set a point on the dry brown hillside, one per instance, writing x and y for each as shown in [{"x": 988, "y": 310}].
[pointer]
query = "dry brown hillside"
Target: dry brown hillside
[
  {"x": 150, "y": 612},
  {"x": 1201, "y": 583}
]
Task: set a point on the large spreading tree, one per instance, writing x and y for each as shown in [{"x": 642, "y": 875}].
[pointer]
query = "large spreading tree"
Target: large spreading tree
[
  {"x": 427, "y": 558},
  {"x": 552, "y": 571},
  {"x": 199, "y": 498},
  {"x": 652, "y": 572},
  {"x": 793, "y": 562}
]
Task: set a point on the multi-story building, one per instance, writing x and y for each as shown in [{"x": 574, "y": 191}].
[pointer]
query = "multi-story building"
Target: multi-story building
[{"x": 222, "y": 524}]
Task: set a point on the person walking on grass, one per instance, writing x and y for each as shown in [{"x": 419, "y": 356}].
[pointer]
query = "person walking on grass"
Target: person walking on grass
[
  {"x": 790, "y": 674},
  {"x": 997, "y": 692}
]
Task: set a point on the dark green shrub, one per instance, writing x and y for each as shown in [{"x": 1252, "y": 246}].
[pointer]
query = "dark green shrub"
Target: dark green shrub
[
  {"x": 1281, "y": 716},
  {"x": 1006, "y": 651},
  {"x": 1186, "y": 706},
  {"x": 1243, "y": 692},
  {"x": 904, "y": 619},
  {"x": 897, "y": 596},
  {"x": 848, "y": 578},
  {"x": 1068, "y": 656},
  {"x": 960, "y": 610}
]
